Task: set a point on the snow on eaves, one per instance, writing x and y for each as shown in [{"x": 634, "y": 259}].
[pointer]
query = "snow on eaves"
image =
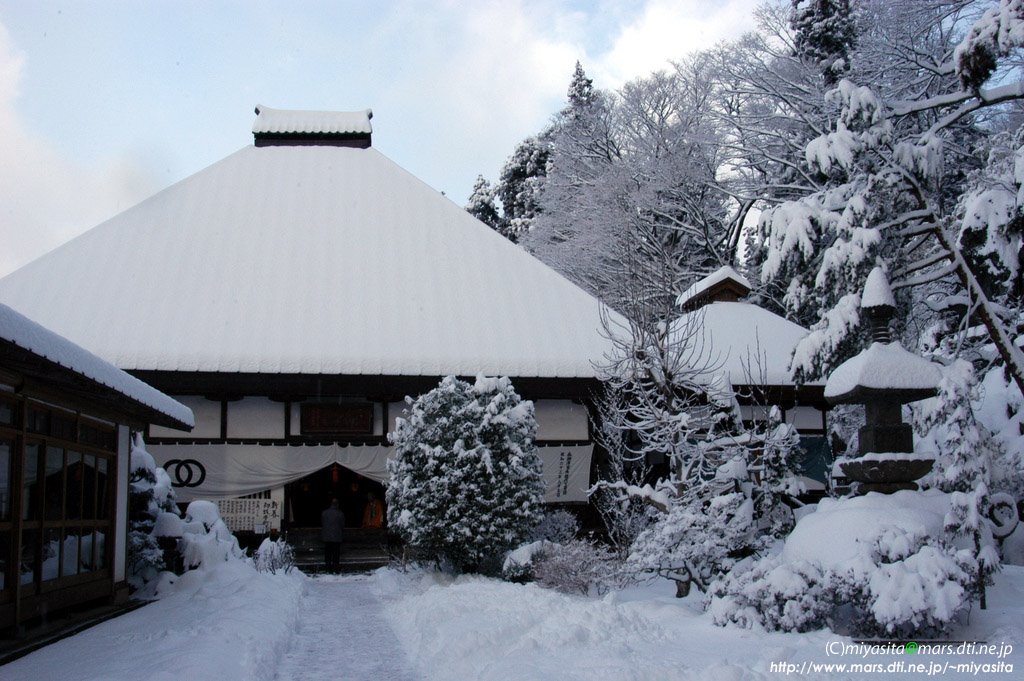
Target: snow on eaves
[
  {"x": 21, "y": 331},
  {"x": 883, "y": 366},
  {"x": 284, "y": 121},
  {"x": 310, "y": 260}
]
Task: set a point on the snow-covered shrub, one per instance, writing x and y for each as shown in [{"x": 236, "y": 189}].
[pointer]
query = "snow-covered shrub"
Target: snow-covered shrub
[
  {"x": 272, "y": 556},
  {"x": 774, "y": 594},
  {"x": 701, "y": 535},
  {"x": 578, "y": 566},
  {"x": 519, "y": 564},
  {"x": 902, "y": 584},
  {"x": 466, "y": 481},
  {"x": 907, "y": 585},
  {"x": 205, "y": 539},
  {"x": 558, "y": 526},
  {"x": 150, "y": 497}
]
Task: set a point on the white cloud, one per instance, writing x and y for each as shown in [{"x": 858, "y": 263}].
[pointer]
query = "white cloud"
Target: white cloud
[
  {"x": 46, "y": 198},
  {"x": 669, "y": 29},
  {"x": 454, "y": 87}
]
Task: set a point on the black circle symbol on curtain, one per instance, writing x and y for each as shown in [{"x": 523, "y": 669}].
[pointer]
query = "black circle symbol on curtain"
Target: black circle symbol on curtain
[{"x": 185, "y": 472}]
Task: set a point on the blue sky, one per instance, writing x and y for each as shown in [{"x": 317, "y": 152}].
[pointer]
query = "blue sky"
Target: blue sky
[{"x": 104, "y": 103}]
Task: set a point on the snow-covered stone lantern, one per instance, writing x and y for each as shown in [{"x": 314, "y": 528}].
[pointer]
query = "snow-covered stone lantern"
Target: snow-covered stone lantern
[{"x": 883, "y": 378}]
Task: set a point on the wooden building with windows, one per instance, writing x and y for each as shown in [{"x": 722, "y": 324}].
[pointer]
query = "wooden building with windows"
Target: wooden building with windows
[
  {"x": 292, "y": 295},
  {"x": 65, "y": 417}
]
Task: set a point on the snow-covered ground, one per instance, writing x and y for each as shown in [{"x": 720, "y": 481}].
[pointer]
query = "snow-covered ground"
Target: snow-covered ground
[{"x": 245, "y": 625}]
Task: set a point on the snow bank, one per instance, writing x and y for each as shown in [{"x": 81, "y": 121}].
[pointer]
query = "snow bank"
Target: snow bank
[
  {"x": 487, "y": 630},
  {"x": 238, "y": 624},
  {"x": 832, "y": 536},
  {"x": 229, "y": 622}
]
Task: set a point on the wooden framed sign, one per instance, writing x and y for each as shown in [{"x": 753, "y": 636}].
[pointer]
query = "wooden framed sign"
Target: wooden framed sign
[{"x": 337, "y": 419}]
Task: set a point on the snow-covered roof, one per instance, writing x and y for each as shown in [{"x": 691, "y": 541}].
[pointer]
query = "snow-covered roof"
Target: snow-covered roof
[
  {"x": 723, "y": 276},
  {"x": 19, "y": 330},
  {"x": 748, "y": 342},
  {"x": 883, "y": 366},
  {"x": 877, "y": 291},
  {"x": 310, "y": 260},
  {"x": 283, "y": 121}
]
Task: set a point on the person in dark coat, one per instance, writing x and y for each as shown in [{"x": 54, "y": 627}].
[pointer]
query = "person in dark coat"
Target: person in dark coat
[{"x": 332, "y": 522}]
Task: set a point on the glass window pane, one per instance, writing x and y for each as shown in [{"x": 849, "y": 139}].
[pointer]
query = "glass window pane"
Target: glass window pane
[
  {"x": 100, "y": 552},
  {"x": 6, "y": 413},
  {"x": 85, "y": 558},
  {"x": 102, "y": 493},
  {"x": 38, "y": 420},
  {"x": 89, "y": 486},
  {"x": 29, "y": 567},
  {"x": 54, "y": 484},
  {"x": 5, "y": 480},
  {"x": 73, "y": 486},
  {"x": 51, "y": 553},
  {"x": 69, "y": 565},
  {"x": 30, "y": 491},
  {"x": 62, "y": 425}
]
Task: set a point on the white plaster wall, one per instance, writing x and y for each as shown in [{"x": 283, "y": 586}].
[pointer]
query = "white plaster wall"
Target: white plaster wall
[
  {"x": 561, "y": 420},
  {"x": 207, "y": 413},
  {"x": 805, "y": 418},
  {"x": 256, "y": 417},
  {"x": 121, "y": 531}
]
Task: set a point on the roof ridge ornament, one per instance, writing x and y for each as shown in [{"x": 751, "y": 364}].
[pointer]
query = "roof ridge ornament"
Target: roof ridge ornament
[{"x": 289, "y": 127}]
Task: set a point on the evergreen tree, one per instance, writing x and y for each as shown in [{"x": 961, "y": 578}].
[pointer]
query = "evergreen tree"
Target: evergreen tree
[
  {"x": 824, "y": 34},
  {"x": 521, "y": 183},
  {"x": 466, "y": 481},
  {"x": 962, "y": 468},
  {"x": 581, "y": 93},
  {"x": 150, "y": 495},
  {"x": 481, "y": 203}
]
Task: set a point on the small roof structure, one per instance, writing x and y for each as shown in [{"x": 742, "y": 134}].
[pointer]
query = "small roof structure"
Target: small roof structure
[
  {"x": 308, "y": 257},
  {"x": 723, "y": 285},
  {"x": 36, "y": 352},
  {"x": 884, "y": 371},
  {"x": 751, "y": 345},
  {"x": 340, "y": 128}
]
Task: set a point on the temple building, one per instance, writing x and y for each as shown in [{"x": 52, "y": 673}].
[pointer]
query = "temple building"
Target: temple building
[
  {"x": 292, "y": 295},
  {"x": 65, "y": 419},
  {"x": 750, "y": 350}
]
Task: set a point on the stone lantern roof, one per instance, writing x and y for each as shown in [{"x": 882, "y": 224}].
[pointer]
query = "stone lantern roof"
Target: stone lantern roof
[{"x": 885, "y": 371}]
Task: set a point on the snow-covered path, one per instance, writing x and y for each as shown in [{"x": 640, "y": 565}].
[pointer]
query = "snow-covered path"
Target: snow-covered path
[{"x": 343, "y": 635}]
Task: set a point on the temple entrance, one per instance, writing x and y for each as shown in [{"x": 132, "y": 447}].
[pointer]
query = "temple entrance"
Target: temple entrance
[
  {"x": 306, "y": 498},
  {"x": 363, "y": 548}
]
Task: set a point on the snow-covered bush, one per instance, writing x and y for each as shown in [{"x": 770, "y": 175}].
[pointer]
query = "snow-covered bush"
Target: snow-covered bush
[
  {"x": 272, "y": 556},
  {"x": 773, "y": 593},
  {"x": 519, "y": 564},
  {"x": 558, "y": 526},
  {"x": 150, "y": 497},
  {"x": 900, "y": 584},
  {"x": 699, "y": 539},
  {"x": 466, "y": 481},
  {"x": 908, "y": 585},
  {"x": 578, "y": 566},
  {"x": 205, "y": 539}
]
